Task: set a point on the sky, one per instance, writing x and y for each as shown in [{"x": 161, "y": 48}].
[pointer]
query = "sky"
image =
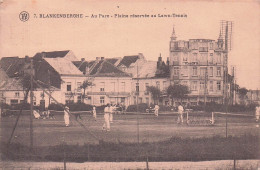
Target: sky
[{"x": 116, "y": 37}]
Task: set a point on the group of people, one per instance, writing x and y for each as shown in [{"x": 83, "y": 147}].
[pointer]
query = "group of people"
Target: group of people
[
  {"x": 109, "y": 110},
  {"x": 46, "y": 114},
  {"x": 77, "y": 115}
]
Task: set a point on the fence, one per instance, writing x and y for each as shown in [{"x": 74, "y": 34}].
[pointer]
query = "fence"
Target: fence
[{"x": 133, "y": 137}]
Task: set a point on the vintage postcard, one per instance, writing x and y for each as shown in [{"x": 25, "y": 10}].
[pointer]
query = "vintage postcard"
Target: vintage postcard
[{"x": 171, "y": 84}]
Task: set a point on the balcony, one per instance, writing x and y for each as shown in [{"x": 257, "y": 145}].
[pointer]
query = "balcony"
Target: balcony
[
  {"x": 110, "y": 94},
  {"x": 203, "y": 49}
]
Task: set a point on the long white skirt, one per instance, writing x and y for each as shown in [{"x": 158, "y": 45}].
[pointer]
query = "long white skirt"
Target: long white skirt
[{"x": 66, "y": 119}]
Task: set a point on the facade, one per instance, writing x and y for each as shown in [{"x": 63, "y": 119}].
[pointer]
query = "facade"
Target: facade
[
  {"x": 110, "y": 84},
  {"x": 200, "y": 64}
]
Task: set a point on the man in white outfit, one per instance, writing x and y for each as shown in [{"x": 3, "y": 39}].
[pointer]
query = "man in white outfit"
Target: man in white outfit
[
  {"x": 111, "y": 110},
  {"x": 66, "y": 116},
  {"x": 180, "y": 114},
  {"x": 106, "y": 125},
  {"x": 156, "y": 110},
  {"x": 94, "y": 113},
  {"x": 257, "y": 113}
]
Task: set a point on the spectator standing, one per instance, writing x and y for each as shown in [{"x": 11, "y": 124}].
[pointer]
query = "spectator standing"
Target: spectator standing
[
  {"x": 94, "y": 113},
  {"x": 257, "y": 113},
  {"x": 180, "y": 114},
  {"x": 156, "y": 110}
]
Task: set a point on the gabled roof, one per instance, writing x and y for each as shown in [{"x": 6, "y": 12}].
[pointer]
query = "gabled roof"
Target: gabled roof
[
  {"x": 13, "y": 66},
  {"x": 63, "y": 66},
  {"x": 147, "y": 70},
  {"x": 103, "y": 68},
  {"x": 81, "y": 65},
  {"x": 12, "y": 84},
  {"x": 52, "y": 54},
  {"x": 128, "y": 60}
]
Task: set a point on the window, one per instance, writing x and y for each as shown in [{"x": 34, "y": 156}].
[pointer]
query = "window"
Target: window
[
  {"x": 102, "y": 86},
  {"x": 79, "y": 99},
  {"x": 68, "y": 86},
  {"x": 211, "y": 86},
  {"x": 194, "y": 45},
  {"x": 113, "y": 87},
  {"x": 218, "y": 71},
  {"x": 211, "y": 71},
  {"x": 185, "y": 57},
  {"x": 122, "y": 86},
  {"x": 211, "y": 46},
  {"x": 102, "y": 100},
  {"x": 185, "y": 71},
  {"x": 137, "y": 87},
  {"x": 185, "y": 83},
  {"x": 158, "y": 85},
  {"x": 194, "y": 57},
  {"x": 78, "y": 86},
  {"x": 146, "y": 88},
  {"x": 218, "y": 85},
  {"x": 202, "y": 85},
  {"x": 176, "y": 71},
  {"x": 219, "y": 58},
  {"x": 194, "y": 85},
  {"x": 122, "y": 100},
  {"x": 175, "y": 57},
  {"x": 204, "y": 57},
  {"x": 194, "y": 71},
  {"x": 147, "y": 100},
  {"x": 134, "y": 98},
  {"x": 17, "y": 94},
  {"x": 14, "y": 101},
  {"x": 211, "y": 58},
  {"x": 140, "y": 100},
  {"x": 164, "y": 85},
  {"x": 202, "y": 72}
]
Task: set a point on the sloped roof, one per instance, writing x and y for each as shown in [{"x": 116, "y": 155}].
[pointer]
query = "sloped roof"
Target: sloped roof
[
  {"x": 112, "y": 60},
  {"x": 103, "y": 68},
  {"x": 63, "y": 66},
  {"x": 52, "y": 54},
  {"x": 12, "y": 65},
  {"x": 128, "y": 60},
  {"x": 81, "y": 65},
  {"x": 11, "y": 84},
  {"x": 147, "y": 70}
]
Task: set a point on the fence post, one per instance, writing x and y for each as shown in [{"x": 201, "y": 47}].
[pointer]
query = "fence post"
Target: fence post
[{"x": 147, "y": 164}]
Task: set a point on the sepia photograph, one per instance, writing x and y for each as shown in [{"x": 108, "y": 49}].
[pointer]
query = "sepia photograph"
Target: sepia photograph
[{"x": 170, "y": 84}]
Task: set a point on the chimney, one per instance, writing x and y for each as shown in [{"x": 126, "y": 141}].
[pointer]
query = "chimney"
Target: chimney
[
  {"x": 43, "y": 54},
  {"x": 159, "y": 62},
  {"x": 102, "y": 58},
  {"x": 82, "y": 59},
  {"x": 97, "y": 58},
  {"x": 27, "y": 59},
  {"x": 86, "y": 70}
]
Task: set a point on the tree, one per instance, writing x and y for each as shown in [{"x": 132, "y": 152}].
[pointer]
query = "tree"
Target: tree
[
  {"x": 242, "y": 94},
  {"x": 155, "y": 92},
  {"x": 177, "y": 91},
  {"x": 84, "y": 86}
]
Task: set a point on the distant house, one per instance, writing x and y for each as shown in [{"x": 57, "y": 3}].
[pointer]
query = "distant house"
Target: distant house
[
  {"x": 253, "y": 97},
  {"x": 111, "y": 85}
]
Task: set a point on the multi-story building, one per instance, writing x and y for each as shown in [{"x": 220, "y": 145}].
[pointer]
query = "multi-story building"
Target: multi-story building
[{"x": 200, "y": 64}]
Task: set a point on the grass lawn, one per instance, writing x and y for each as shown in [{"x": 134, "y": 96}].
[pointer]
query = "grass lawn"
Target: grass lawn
[{"x": 48, "y": 132}]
